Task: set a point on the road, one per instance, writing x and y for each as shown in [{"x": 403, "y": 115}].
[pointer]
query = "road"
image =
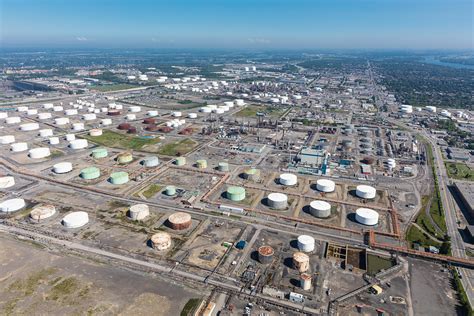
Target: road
[{"x": 457, "y": 243}]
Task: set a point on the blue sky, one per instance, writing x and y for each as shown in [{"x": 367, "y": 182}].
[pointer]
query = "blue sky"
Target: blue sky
[{"x": 386, "y": 24}]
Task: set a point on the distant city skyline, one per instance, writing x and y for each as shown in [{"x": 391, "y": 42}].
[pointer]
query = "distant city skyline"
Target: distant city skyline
[{"x": 260, "y": 24}]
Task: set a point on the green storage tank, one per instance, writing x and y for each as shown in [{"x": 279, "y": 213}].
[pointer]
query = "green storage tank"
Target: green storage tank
[
  {"x": 235, "y": 193},
  {"x": 90, "y": 173},
  {"x": 201, "y": 164},
  {"x": 100, "y": 153},
  {"x": 120, "y": 177},
  {"x": 180, "y": 161},
  {"x": 170, "y": 190}
]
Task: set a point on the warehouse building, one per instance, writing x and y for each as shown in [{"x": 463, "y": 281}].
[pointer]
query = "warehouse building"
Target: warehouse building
[{"x": 466, "y": 194}]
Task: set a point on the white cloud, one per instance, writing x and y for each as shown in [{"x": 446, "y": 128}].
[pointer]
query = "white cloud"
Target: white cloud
[
  {"x": 81, "y": 38},
  {"x": 259, "y": 41}
]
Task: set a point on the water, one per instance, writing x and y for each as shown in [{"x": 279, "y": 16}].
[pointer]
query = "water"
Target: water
[{"x": 432, "y": 60}]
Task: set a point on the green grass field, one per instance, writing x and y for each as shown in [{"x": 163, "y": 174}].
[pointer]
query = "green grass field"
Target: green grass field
[
  {"x": 152, "y": 190},
  {"x": 460, "y": 171},
  {"x": 122, "y": 141},
  {"x": 178, "y": 148},
  {"x": 252, "y": 110},
  {"x": 114, "y": 87},
  {"x": 414, "y": 235}
]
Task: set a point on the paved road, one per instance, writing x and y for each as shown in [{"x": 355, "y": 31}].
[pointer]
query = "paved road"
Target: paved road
[{"x": 457, "y": 243}]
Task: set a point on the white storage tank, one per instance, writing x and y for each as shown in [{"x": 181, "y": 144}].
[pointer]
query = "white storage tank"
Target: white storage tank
[
  {"x": 288, "y": 179},
  {"x": 7, "y": 139},
  {"x": 152, "y": 113},
  {"x": 70, "y": 137},
  {"x": 70, "y": 112},
  {"x": 192, "y": 115},
  {"x": 39, "y": 153},
  {"x": 391, "y": 163},
  {"x": 13, "y": 120},
  {"x": 75, "y": 219},
  {"x": 57, "y": 108},
  {"x": 78, "y": 143},
  {"x": 62, "y": 167},
  {"x": 277, "y": 201},
  {"x": 44, "y": 116},
  {"x": 139, "y": 212},
  {"x": 239, "y": 102},
  {"x": 3, "y": 115},
  {"x": 61, "y": 120},
  {"x": 42, "y": 212},
  {"x": 130, "y": 117},
  {"x": 7, "y": 182},
  {"x": 325, "y": 185},
  {"x": 22, "y": 109},
  {"x": 54, "y": 140},
  {"x": 306, "y": 243},
  {"x": 12, "y": 205},
  {"x": 95, "y": 132},
  {"x": 134, "y": 109},
  {"x": 320, "y": 209},
  {"x": 177, "y": 114},
  {"x": 367, "y": 216},
  {"x": 89, "y": 117},
  {"x": 29, "y": 127},
  {"x": 366, "y": 191},
  {"x": 161, "y": 241},
  {"x": 19, "y": 147},
  {"x": 32, "y": 112},
  {"x": 78, "y": 127},
  {"x": 106, "y": 122},
  {"x": 47, "y": 132}
]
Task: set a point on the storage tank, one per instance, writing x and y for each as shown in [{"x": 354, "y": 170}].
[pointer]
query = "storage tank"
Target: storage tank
[
  {"x": 305, "y": 243},
  {"x": 305, "y": 281},
  {"x": 12, "y": 205},
  {"x": 325, "y": 185},
  {"x": 44, "y": 116},
  {"x": 134, "y": 109},
  {"x": 124, "y": 126},
  {"x": 75, "y": 219},
  {"x": 78, "y": 143},
  {"x": 90, "y": 173},
  {"x": 105, "y": 122},
  {"x": 151, "y": 161},
  {"x": 114, "y": 112},
  {"x": 98, "y": 153},
  {"x": 120, "y": 177},
  {"x": 149, "y": 120},
  {"x": 58, "y": 108},
  {"x": 391, "y": 163},
  {"x": 7, "y": 139},
  {"x": 365, "y": 192},
  {"x": 367, "y": 216},
  {"x": 180, "y": 161},
  {"x": 277, "y": 201},
  {"x": 320, "y": 209},
  {"x": 265, "y": 254},
  {"x": 288, "y": 179},
  {"x": 223, "y": 167},
  {"x": 7, "y": 182},
  {"x": 54, "y": 140},
  {"x": 3, "y": 115},
  {"x": 89, "y": 116},
  {"x": 47, "y": 132},
  {"x": 161, "y": 241},
  {"x": 62, "y": 167},
  {"x": 152, "y": 113},
  {"x": 176, "y": 114},
  {"x": 95, "y": 132},
  {"x": 78, "y": 126},
  {"x": 39, "y": 153},
  {"x": 301, "y": 261},
  {"x": 236, "y": 194},
  {"x": 42, "y": 212},
  {"x": 124, "y": 158},
  {"x": 205, "y": 109},
  {"x": 179, "y": 221},
  {"x": 13, "y": 120},
  {"x": 29, "y": 127},
  {"x": 239, "y": 102},
  {"x": 130, "y": 117},
  {"x": 19, "y": 147},
  {"x": 138, "y": 212},
  {"x": 61, "y": 121},
  {"x": 201, "y": 164},
  {"x": 192, "y": 115},
  {"x": 170, "y": 190},
  {"x": 252, "y": 174},
  {"x": 70, "y": 112}
]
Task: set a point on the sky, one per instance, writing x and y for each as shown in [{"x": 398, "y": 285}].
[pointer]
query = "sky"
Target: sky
[{"x": 259, "y": 24}]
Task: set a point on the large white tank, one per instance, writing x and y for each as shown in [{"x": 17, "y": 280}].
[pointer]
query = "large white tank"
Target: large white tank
[
  {"x": 130, "y": 117},
  {"x": 19, "y": 147},
  {"x": 32, "y": 112},
  {"x": 367, "y": 216},
  {"x": 44, "y": 116},
  {"x": 277, "y": 201},
  {"x": 161, "y": 241},
  {"x": 61, "y": 120},
  {"x": 177, "y": 114},
  {"x": 391, "y": 163},
  {"x": 139, "y": 212},
  {"x": 7, "y": 182},
  {"x": 58, "y": 108},
  {"x": 305, "y": 243},
  {"x": 320, "y": 209},
  {"x": 134, "y": 109},
  {"x": 366, "y": 191},
  {"x": 12, "y": 205},
  {"x": 39, "y": 153},
  {"x": 3, "y": 115},
  {"x": 29, "y": 127},
  {"x": 22, "y": 109},
  {"x": 42, "y": 212},
  {"x": 75, "y": 219},
  {"x": 192, "y": 115},
  {"x": 152, "y": 113},
  {"x": 325, "y": 185},
  {"x": 95, "y": 132},
  {"x": 106, "y": 122},
  {"x": 78, "y": 127},
  {"x": 47, "y": 132},
  {"x": 78, "y": 143},
  {"x": 239, "y": 102},
  {"x": 62, "y": 167},
  {"x": 205, "y": 109},
  {"x": 48, "y": 106},
  {"x": 13, "y": 120},
  {"x": 70, "y": 137},
  {"x": 7, "y": 139},
  {"x": 89, "y": 116},
  {"x": 288, "y": 179},
  {"x": 70, "y": 112},
  {"x": 54, "y": 140}
]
